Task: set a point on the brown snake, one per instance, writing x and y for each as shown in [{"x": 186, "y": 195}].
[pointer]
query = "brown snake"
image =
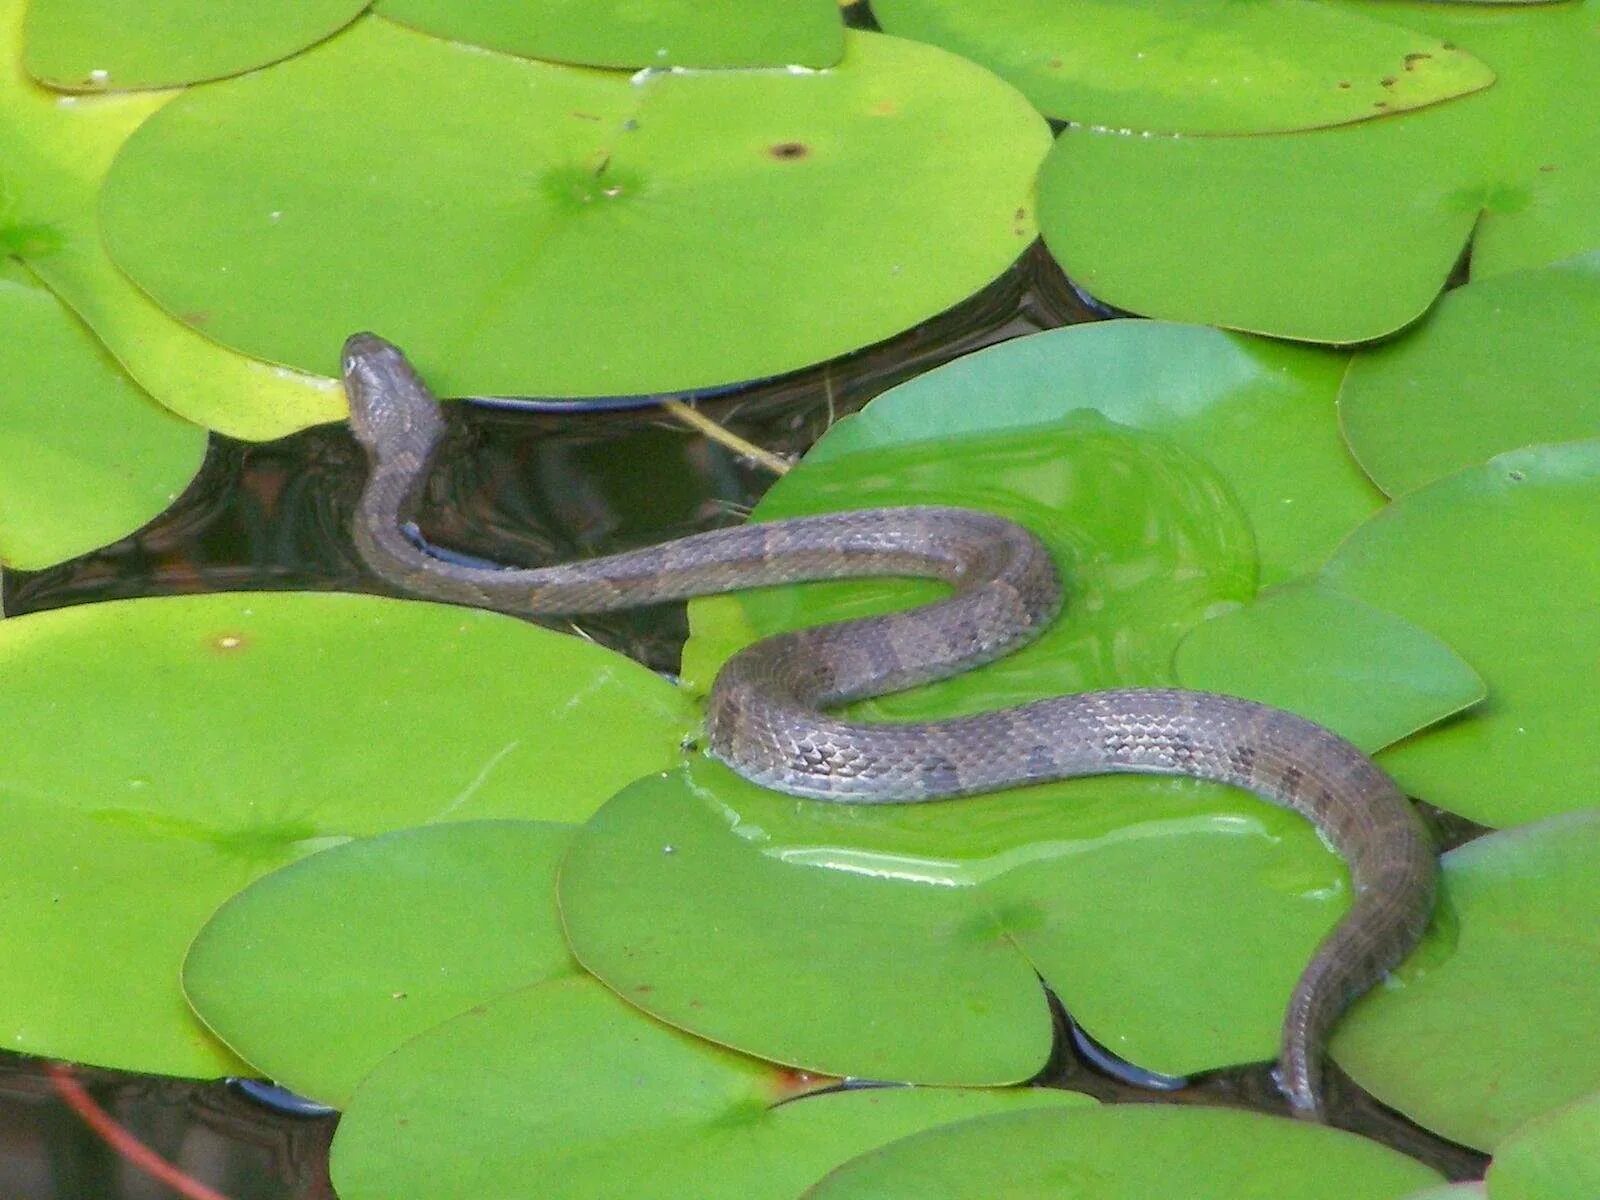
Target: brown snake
[{"x": 765, "y": 719}]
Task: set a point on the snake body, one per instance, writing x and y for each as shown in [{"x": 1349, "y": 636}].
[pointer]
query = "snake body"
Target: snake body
[{"x": 766, "y": 715}]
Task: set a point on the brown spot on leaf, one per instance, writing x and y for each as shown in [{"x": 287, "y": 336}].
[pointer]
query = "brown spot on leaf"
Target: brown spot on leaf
[
  {"x": 1344, "y": 83},
  {"x": 1411, "y": 60},
  {"x": 789, "y": 151},
  {"x": 1388, "y": 81},
  {"x": 885, "y": 108},
  {"x": 1055, "y": 64},
  {"x": 1547, "y": 167}
]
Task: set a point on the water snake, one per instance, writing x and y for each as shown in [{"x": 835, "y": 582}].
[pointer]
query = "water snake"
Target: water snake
[{"x": 766, "y": 715}]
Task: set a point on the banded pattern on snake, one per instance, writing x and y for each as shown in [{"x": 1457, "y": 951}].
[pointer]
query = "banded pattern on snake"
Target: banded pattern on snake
[{"x": 766, "y": 717}]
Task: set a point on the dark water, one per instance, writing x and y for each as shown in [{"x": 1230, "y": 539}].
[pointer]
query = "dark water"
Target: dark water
[{"x": 518, "y": 486}]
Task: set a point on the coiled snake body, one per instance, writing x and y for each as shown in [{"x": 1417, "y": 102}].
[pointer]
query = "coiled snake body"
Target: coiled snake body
[{"x": 765, "y": 711}]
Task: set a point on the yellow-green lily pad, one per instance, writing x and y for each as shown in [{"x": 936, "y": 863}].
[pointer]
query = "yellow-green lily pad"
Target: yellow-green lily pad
[
  {"x": 576, "y": 1096},
  {"x": 98, "y": 45},
  {"x": 1492, "y": 1022},
  {"x": 177, "y": 748},
  {"x": 1494, "y": 561},
  {"x": 1362, "y": 672},
  {"x": 54, "y": 152},
  {"x": 631, "y": 33},
  {"x": 1349, "y": 233},
  {"x": 1129, "y": 1152},
  {"x": 85, "y": 456},
  {"x": 1260, "y": 412},
  {"x": 1195, "y": 66},
  {"x": 1502, "y": 363},
  {"x": 580, "y": 233},
  {"x": 1552, "y": 1157},
  {"x": 907, "y": 942},
  {"x": 317, "y": 971}
]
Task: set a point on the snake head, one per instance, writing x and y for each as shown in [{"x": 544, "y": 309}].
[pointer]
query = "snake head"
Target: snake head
[{"x": 392, "y": 412}]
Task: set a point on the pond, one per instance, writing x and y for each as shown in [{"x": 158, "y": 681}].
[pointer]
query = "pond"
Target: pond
[{"x": 1255, "y": 345}]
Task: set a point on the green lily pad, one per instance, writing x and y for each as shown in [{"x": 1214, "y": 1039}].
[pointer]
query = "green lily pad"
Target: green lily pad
[
  {"x": 316, "y": 972},
  {"x": 54, "y": 151},
  {"x": 660, "y": 203},
  {"x": 1197, "y": 66},
  {"x": 1552, "y": 1157},
  {"x": 1490, "y": 560},
  {"x": 1260, "y": 412},
  {"x": 657, "y": 33},
  {"x": 85, "y": 456},
  {"x": 178, "y": 748},
  {"x": 1237, "y": 231},
  {"x": 576, "y": 1096},
  {"x": 1502, "y": 363},
  {"x": 907, "y": 942},
  {"x": 95, "y": 45},
  {"x": 1128, "y": 1152},
  {"x": 1490, "y": 1024},
  {"x": 1147, "y": 537},
  {"x": 1149, "y": 541},
  {"x": 1356, "y": 669}
]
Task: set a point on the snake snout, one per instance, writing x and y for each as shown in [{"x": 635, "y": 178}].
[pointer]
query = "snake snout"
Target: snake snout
[{"x": 388, "y": 399}]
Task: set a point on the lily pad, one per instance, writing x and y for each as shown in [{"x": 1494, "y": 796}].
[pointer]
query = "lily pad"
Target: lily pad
[
  {"x": 95, "y": 45},
  {"x": 1490, "y": 561},
  {"x": 85, "y": 456},
  {"x": 1362, "y": 672},
  {"x": 907, "y": 942},
  {"x": 1502, "y": 363},
  {"x": 912, "y": 168},
  {"x": 657, "y": 33},
  {"x": 1128, "y": 1152},
  {"x": 178, "y": 748},
  {"x": 1260, "y": 412},
  {"x": 1195, "y": 66},
  {"x": 575, "y": 1096},
  {"x": 316, "y": 972},
  {"x": 1490, "y": 1022},
  {"x": 1147, "y": 537},
  {"x": 1149, "y": 541},
  {"x": 1551, "y": 1157},
  {"x": 1237, "y": 231},
  {"x": 54, "y": 151}
]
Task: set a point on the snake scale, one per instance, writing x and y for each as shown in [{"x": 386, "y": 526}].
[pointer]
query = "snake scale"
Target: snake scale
[{"x": 767, "y": 719}]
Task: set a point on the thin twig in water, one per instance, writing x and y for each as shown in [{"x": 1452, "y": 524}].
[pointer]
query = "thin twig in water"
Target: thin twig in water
[
  {"x": 119, "y": 1139},
  {"x": 698, "y": 421}
]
